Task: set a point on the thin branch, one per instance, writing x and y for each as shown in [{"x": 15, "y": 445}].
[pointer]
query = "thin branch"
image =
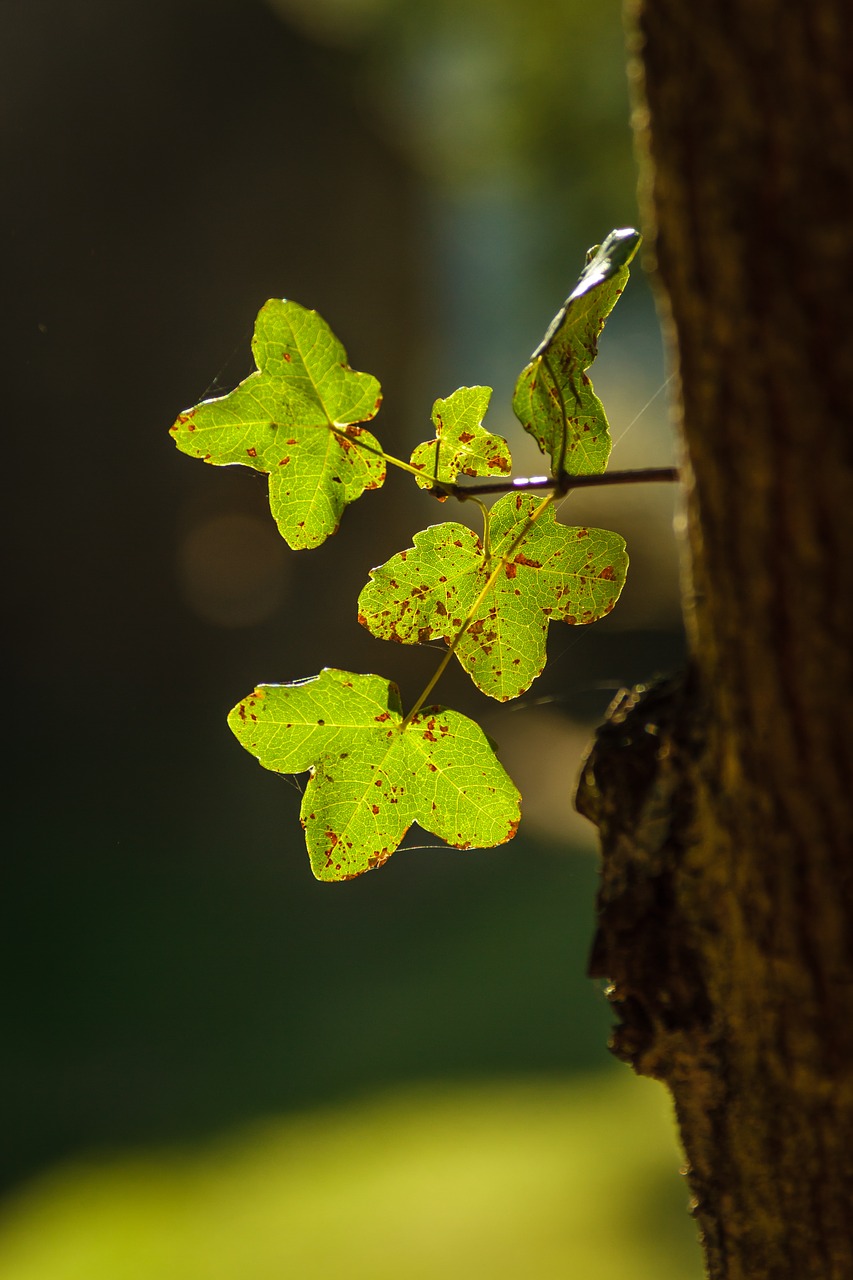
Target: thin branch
[{"x": 646, "y": 475}]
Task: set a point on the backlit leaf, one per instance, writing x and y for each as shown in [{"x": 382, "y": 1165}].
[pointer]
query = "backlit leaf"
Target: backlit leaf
[
  {"x": 370, "y": 777},
  {"x": 296, "y": 419},
  {"x": 547, "y": 573},
  {"x": 461, "y": 443},
  {"x": 554, "y": 399}
]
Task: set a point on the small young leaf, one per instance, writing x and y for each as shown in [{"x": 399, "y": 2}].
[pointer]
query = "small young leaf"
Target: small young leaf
[
  {"x": 294, "y": 419},
  {"x": 461, "y": 443},
  {"x": 371, "y": 778},
  {"x": 554, "y": 399},
  {"x": 550, "y": 573}
]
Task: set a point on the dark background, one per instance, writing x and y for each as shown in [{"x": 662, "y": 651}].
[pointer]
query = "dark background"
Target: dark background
[{"x": 170, "y": 966}]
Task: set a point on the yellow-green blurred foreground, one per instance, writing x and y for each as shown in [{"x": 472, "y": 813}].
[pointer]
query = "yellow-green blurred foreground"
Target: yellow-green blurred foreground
[{"x": 545, "y": 1181}]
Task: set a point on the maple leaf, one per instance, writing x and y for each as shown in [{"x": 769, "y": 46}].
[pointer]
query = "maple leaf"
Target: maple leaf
[
  {"x": 543, "y": 572},
  {"x": 296, "y": 419},
  {"x": 372, "y": 774},
  {"x": 461, "y": 442}
]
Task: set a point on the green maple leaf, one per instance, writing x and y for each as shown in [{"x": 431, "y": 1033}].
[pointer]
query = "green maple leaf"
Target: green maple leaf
[
  {"x": 371, "y": 777},
  {"x": 294, "y": 418},
  {"x": 461, "y": 443},
  {"x": 554, "y": 399},
  {"x": 546, "y": 572}
]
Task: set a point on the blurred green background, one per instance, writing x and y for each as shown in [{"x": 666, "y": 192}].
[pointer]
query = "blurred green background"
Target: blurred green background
[{"x": 200, "y": 1041}]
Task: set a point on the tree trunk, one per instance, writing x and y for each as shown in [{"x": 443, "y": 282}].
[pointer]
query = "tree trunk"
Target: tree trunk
[{"x": 724, "y": 798}]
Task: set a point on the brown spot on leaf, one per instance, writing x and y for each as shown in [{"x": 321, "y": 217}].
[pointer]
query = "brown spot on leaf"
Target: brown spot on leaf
[
  {"x": 253, "y": 453},
  {"x": 607, "y": 573}
]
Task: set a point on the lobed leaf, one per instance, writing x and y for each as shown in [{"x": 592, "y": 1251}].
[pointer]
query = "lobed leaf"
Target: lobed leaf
[
  {"x": 371, "y": 777},
  {"x": 461, "y": 442},
  {"x": 546, "y": 572},
  {"x": 296, "y": 419},
  {"x": 554, "y": 399}
]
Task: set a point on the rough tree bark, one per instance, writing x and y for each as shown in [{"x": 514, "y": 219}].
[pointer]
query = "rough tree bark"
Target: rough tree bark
[{"x": 724, "y": 799}]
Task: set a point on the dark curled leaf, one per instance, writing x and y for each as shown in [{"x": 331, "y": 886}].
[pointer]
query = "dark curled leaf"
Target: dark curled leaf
[{"x": 554, "y": 399}]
